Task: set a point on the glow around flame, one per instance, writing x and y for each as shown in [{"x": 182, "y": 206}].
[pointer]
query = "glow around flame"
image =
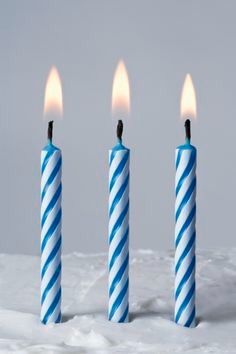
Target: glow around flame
[
  {"x": 121, "y": 91},
  {"x": 53, "y": 102},
  {"x": 188, "y": 106}
]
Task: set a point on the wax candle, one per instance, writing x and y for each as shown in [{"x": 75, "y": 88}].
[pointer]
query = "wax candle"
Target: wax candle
[
  {"x": 185, "y": 234},
  {"x": 119, "y": 230},
  {"x": 51, "y": 190}
]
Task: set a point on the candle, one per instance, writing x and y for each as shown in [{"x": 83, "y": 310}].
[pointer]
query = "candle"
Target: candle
[
  {"x": 118, "y": 262},
  {"x": 51, "y": 217},
  {"x": 185, "y": 217}
]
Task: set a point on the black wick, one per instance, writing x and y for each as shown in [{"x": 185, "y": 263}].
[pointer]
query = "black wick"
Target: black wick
[
  {"x": 187, "y": 125},
  {"x": 119, "y": 130},
  {"x": 50, "y": 130}
]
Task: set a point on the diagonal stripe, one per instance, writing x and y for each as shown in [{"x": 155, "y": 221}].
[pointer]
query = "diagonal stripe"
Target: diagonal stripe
[
  {"x": 52, "y": 306},
  {"x": 119, "y": 300},
  {"x": 51, "y": 283},
  {"x": 179, "y": 154},
  {"x": 112, "y": 155},
  {"x": 191, "y": 318},
  {"x": 51, "y": 256},
  {"x": 118, "y": 170},
  {"x": 58, "y": 320},
  {"x": 185, "y": 225},
  {"x": 119, "y": 248},
  {"x": 119, "y": 222},
  {"x": 125, "y": 314},
  {"x": 119, "y": 195},
  {"x": 45, "y": 160},
  {"x": 119, "y": 275},
  {"x": 185, "y": 277},
  {"x": 51, "y": 204},
  {"x": 51, "y": 177},
  {"x": 51, "y": 230},
  {"x": 185, "y": 302},
  {"x": 186, "y": 198},
  {"x": 186, "y": 172},
  {"x": 185, "y": 252}
]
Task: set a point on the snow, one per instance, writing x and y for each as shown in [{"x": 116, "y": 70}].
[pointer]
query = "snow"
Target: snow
[{"x": 85, "y": 328}]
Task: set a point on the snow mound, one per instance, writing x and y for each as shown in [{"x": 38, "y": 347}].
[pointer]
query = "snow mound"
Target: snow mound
[{"x": 85, "y": 329}]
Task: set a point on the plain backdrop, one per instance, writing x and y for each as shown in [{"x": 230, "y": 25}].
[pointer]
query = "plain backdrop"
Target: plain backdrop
[{"x": 160, "y": 41}]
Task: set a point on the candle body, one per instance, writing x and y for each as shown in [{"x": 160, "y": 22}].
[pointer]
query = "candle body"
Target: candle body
[
  {"x": 51, "y": 189},
  {"x": 118, "y": 258},
  {"x": 185, "y": 234}
]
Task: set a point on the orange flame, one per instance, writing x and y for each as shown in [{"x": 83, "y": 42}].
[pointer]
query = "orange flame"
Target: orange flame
[
  {"x": 188, "y": 106},
  {"x": 53, "y": 102},
  {"x": 121, "y": 90}
]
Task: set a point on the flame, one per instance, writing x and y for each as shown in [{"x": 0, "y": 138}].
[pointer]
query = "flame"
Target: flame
[
  {"x": 121, "y": 90},
  {"x": 53, "y": 102},
  {"x": 188, "y": 106}
]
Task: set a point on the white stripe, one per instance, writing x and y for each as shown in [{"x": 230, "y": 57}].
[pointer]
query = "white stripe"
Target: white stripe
[
  {"x": 184, "y": 291},
  {"x": 51, "y": 190},
  {"x": 120, "y": 207},
  {"x": 50, "y": 218},
  {"x": 118, "y": 263},
  {"x": 185, "y": 212},
  {"x": 184, "y": 266},
  {"x": 118, "y": 287},
  {"x": 51, "y": 269},
  {"x": 51, "y": 243},
  {"x": 187, "y": 312},
  {"x": 184, "y": 187},
  {"x": 118, "y": 314},
  {"x": 119, "y": 182},
  {"x": 181, "y": 167},
  {"x": 49, "y": 168},
  {"x": 118, "y": 236},
  {"x": 118, "y": 157},
  {"x": 50, "y": 297}
]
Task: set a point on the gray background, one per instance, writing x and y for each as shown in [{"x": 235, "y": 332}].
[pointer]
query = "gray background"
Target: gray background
[{"x": 160, "y": 41}]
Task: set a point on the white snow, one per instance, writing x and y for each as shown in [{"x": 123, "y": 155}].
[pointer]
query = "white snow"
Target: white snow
[{"x": 85, "y": 328}]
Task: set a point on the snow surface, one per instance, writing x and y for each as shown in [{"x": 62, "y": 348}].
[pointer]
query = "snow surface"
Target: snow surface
[{"x": 85, "y": 328}]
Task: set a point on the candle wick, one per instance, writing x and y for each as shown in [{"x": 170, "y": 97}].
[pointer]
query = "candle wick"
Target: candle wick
[
  {"x": 187, "y": 125},
  {"x": 50, "y": 131},
  {"x": 119, "y": 130}
]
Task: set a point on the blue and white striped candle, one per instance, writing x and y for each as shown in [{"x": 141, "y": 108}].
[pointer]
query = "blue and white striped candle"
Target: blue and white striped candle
[
  {"x": 118, "y": 262},
  {"x": 51, "y": 214},
  {"x": 185, "y": 234}
]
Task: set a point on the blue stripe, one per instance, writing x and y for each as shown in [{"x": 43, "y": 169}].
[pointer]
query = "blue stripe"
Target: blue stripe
[
  {"x": 186, "y": 250},
  {"x": 186, "y": 197},
  {"x": 178, "y": 159},
  {"x": 191, "y": 318},
  {"x": 119, "y": 248},
  {"x": 186, "y": 171},
  {"x": 185, "y": 303},
  {"x": 118, "y": 170},
  {"x": 51, "y": 256},
  {"x": 58, "y": 320},
  {"x": 51, "y": 177},
  {"x": 52, "y": 307},
  {"x": 125, "y": 314},
  {"x": 52, "y": 281},
  {"x": 185, "y": 225},
  {"x": 51, "y": 230},
  {"x": 119, "y": 222},
  {"x": 112, "y": 155},
  {"x": 185, "y": 277},
  {"x": 51, "y": 204},
  {"x": 119, "y": 275},
  {"x": 45, "y": 161},
  {"x": 119, "y": 299},
  {"x": 119, "y": 195}
]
